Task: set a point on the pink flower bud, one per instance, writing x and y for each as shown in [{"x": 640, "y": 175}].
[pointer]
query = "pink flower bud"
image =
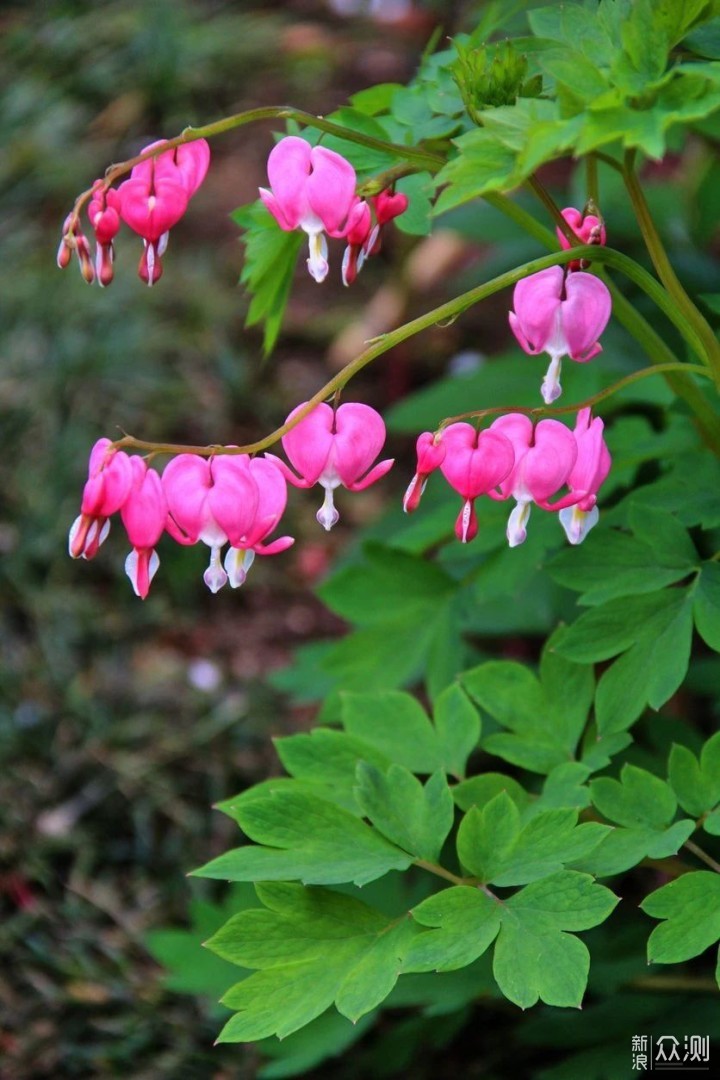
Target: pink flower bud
[
  {"x": 334, "y": 449},
  {"x": 144, "y": 514},
  {"x": 387, "y": 206},
  {"x": 312, "y": 189},
  {"x": 562, "y": 316},
  {"x": 589, "y": 228},
  {"x": 430, "y": 456},
  {"x": 358, "y": 229},
  {"x": 75, "y": 242}
]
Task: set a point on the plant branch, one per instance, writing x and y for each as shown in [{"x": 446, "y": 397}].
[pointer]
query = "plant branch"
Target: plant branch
[
  {"x": 448, "y": 311},
  {"x": 558, "y": 410},
  {"x": 702, "y": 855},
  {"x": 440, "y": 871},
  {"x": 416, "y": 155},
  {"x": 704, "y": 332}
]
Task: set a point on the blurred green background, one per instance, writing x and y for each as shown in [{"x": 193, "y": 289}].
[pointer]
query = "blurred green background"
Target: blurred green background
[{"x": 122, "y": 722}]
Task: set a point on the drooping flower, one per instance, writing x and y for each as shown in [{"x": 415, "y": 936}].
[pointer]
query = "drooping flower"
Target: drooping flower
[
  {"x": 544, "y": 457},
  {"x": 586, "y": 477},
  {"x": 213, "y": 501},
  {"x": 110, "y": 478},
  {"x": 104, "y": 214},
  {"x": 272, "y": 500},
  {"x": 312, "y": 189},
  {"x": 475, "y": 463},
  {"x": 562, "y": 316},
  {"x": 156, "y": 197},
  {"x": 144, "y": 514},
  {"x": 358, "y": 229},
  {"x": 588, "y": 227},
  {"x": 334, "y": 449},
  {"x": 430, "y": 456},
  {"x": 387, "y": 206}
]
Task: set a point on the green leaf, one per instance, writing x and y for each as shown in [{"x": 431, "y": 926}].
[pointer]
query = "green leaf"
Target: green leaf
[
  {"x": 638, "y": 798},
  {"x": 544, "y": 719},
  {"x": 270, "y": 258},
  {"x": 326, "y": 1037},
  {"x": 484, "y": 164},
  {"x": 611, "y": 564},
  {"x": 650, "y": 672},
  {"x": 666, "y": 537},
  {"x": 706, "y": 607},
  {"x": 624, "y": 848},
  {"x": 496, "y": 849},
  {"x": 308, "y": 839},
  {"x": 486, "y": 836},
  {"x": 534, "y": 956},
  {"x": 615, "y": 626},
  {"x": 419, "y": 188},
  {"x": 479, "y": 790},
  {"x": 457, "y": 724},
  {"x": 329, "y": 758},
  {"x": 416, "y": 818},
  {"x": 465, "y": 922},
  {"x": 565, "y": 786},
  {"x": 397, "y": 726},
  {"x": 376, "y": 99},
  {"x": 691, "y": 907},
  {"x": 312, "y": 947},
  {"x": 696, "y": 783},
  {"x": 388, "y": 583}
]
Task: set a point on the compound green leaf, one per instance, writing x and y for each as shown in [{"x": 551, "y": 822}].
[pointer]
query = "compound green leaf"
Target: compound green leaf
[
  {"x": 706, "y": 606},
  {"x": 307, "y": 839},
  {"x": 457, "y": 724},
  {"x": 696, "y": 783},
  {"x": 638, "y": 798},
  {"x": 415, "y": 817},
  {"x": 465, "y": 922},
  {"x": 535, "y": 958},
  {"x": 690, "y": 906},
  {"x": 397, "y": 726},
  {"x": 312, "y": 947}
]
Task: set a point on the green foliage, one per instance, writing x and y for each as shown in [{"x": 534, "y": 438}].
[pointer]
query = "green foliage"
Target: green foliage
[
  {"x": 267, "y": 274},
  {"x": 690, "y": 907}
]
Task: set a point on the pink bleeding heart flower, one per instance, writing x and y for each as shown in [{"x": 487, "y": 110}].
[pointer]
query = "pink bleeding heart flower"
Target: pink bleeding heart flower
[
  {"x": 430, "y": 456},
  {"x": 562, "y": 316},
  {"x": 588, "y": 227},
  {"x": 312, "y": 189},
  {"x": 544, "y": 457},
  {"x": 334, "y": 449},
  {"x": 587, "y": 476},
  {"x": 387, "y": 206},
  {"x": 272, "y": 500},
  {"x": 156, "y": 197},
  {"x": 213, "y": 501},
  {"x": 76, "y": 243},
  {"x": 110, "y": 478},
  {"x": 144, "y": 514},
  {"x": 104, "y": 214},
  {"x": 356, "y": 234},
  {"x": 475, "y": 463},
  {"x": 186, "y": 164}
]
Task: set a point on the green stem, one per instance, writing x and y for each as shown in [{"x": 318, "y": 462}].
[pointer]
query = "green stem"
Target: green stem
[
  {"x": 702, "y": 329},
  {"x": 674, "y": 984},
  {"x": 591, "y": 179},
  {"x": 422, "y": 159},
  {"x": 539, "y": 189},
  {"x": 702, "y": 855},
  {"x": 450, "y": 310},
  {"x": 559, "y": 410},
  {"x": 705, "y": 417},
  {"x": 440, "y": 871}
]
